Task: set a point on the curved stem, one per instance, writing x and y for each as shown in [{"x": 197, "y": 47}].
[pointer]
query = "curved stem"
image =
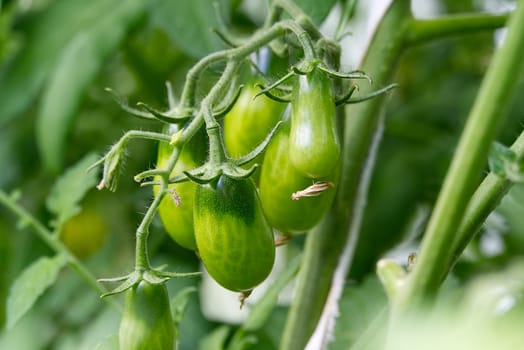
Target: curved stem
[
  {"x": 421, "y": 31},
  {"x": 53, "y": 242},
  {"x": 497, "y": 88}
]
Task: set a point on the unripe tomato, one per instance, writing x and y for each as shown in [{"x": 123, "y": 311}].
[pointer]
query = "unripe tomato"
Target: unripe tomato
[
  {"x": 85, "y": 233},
  {"x": 147, "y": 322},
  {"x": 279, "y": 179},
  {"x": 233, "y": 237},
  {"x": 249, "y": 121},
  {"x": 178, "y": 220},
  {"x": 314, "y": 148}
]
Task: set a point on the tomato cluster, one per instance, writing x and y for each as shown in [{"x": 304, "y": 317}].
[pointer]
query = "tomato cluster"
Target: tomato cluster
[{"x": 229, "y": 221}]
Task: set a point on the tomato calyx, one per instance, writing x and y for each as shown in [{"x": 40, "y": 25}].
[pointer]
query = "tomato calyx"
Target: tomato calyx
[
  {"x": 152, "y": 276},
  {"x": 231, "y": 167}
]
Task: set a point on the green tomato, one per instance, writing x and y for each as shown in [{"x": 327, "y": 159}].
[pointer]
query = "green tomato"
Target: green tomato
[
  {"x": 85, "y": 233},
  {"x": 279, "y": 179},
  {"x": 178, "y": 219},
  {"x": 314, "y": 148},
  {"x": 249, "y": 121},
  {"x": 234, "y": 239},
  {"x": 147, "y": 322}
]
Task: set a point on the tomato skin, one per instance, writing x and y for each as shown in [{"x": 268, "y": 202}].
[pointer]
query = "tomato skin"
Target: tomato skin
[
  {"x": 249, "y": 121},
  {"x": 178, "y": 220},
  {"x": 85, "y": 233},
  {"x": 147, "y": 322},
  {"x": 314, "y": 147},
  {"x": 234, "y": 239},
  {"x": 279, "y": 179}
]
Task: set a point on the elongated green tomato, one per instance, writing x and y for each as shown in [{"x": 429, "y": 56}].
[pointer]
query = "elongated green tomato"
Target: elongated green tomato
[
  {"x": 249, "y": 121},
  {"x": 314, "y": 148},
  {"x": 85, "y": 233},
  {"x": 233, "y": 237},
  {"x": 279, "y": 180},
  {"x": 147, "y": 322},
  {"x": 177, "y": 218}
]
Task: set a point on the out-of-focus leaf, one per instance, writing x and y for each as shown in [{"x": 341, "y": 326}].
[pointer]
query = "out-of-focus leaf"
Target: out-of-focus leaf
[
  {"x": 359, "y": 307},
  {"x": 33, "y": 281},
  {"x": 110, "y": 343},
  {"x": 189, "y": 24},
  {"x": 215, "y": 340},
  {"x": 70, "y": 188},
  {"x": 44, "y": 35},
  {"x": 317, "y": 10},
  {"x": 179, "y": 303},
  {"x": 259, "y": 314},
  {"x": 74, "y": 71}
]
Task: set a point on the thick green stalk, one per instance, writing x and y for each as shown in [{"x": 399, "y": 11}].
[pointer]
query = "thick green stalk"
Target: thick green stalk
[
  {"x": 324, "y": 243},
  {"x": 470, "y": 158},
  {"x": 425, "y": 30}
]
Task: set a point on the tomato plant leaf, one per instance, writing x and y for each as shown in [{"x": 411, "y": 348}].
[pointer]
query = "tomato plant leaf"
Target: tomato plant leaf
[
  {"x": 189, "y": 24},
  {"x": 259, "y": 314},
  {"x": 317, "y": 10},
  {"x": 70, "y": 188},
  {"x": 31, "y": 283},
  {"x": 76, "y": 68},
  {"x": 216, "y": 339},
  {"x": 110, "y": 343},
  {"x": 45, "y": 34},
  {"x": 179, "y": 303},
  {"x": 359, "y": 308}
]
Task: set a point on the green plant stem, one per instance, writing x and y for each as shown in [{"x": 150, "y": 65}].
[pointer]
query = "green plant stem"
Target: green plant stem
[
  {"x": 324, "y": 243},
  {"x": 496, "y": 91},
  {"x": 421, "y": 31},
  {"x": 485, "y": 199},
  {"x": 53, "y": 242}
]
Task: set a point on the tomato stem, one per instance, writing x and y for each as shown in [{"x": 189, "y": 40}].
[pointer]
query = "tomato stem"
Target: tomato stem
[
  {"x": 497, "y": 89},
  {"x": 53, "y": 242}
]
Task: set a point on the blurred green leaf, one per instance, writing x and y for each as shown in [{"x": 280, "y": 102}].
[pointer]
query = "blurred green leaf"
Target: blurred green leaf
[
  {"x": 189, "y": 24},
  {"x": 359, "y": 307},
  {"x": 215, "y": 340},
  {"x": 110, "y": 343},
  {"x": 75, "y": 69},
  {"x": 259, "y": 314},
  {"x": 317, "y": 10},
  {"x": 70, "y": 188},
  {"x": 44, "y": 36},
  {"x": 179, "y": 303},
  {"x": 33, "y": 281}
]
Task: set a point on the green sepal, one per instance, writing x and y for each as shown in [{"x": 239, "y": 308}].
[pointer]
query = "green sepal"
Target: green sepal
[
  {"x": 259, "y": 149},
  {"x": 129, "y": 281},
  {"x": 167, "y": 117},
  {"x": 276, "y": 83},
  {"x": 348, "y": 100},
  {"x": 356, "y": 74},
  {"x": 282, "y": 99},
  {"x": 223, "y": 109}
]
